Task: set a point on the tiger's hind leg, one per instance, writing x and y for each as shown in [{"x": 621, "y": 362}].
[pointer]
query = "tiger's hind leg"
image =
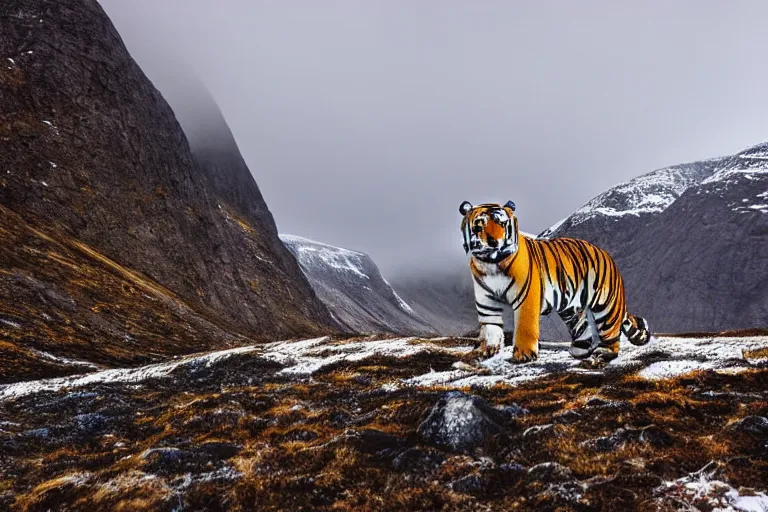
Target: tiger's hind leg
[
  {"x": 608, "y": 346},
  {"x": 583, "y": 337},
  {"x": 592, "y": 338}
]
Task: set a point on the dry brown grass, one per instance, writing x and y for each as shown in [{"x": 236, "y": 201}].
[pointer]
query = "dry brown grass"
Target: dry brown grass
[{"x": 330, "y": 442}]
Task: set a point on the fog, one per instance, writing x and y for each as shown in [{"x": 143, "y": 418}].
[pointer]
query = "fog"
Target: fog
[{"x": 366, "y": 123}]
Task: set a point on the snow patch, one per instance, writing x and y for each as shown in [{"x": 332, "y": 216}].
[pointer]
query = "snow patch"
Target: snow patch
[
  {"x": 701, "y": 491},
  {"x": 64, "y": 360},
  {"x": 10, "y": 324},
  {"x": 19, "y": 389},
  {"x": 690, "y": 354},
  {"x": 307, "y": 357}
]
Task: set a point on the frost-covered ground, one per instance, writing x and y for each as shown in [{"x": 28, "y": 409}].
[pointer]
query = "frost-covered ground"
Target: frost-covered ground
[
  {"x": 664, "y": 357},
  {"x": 327, "y": 423}
]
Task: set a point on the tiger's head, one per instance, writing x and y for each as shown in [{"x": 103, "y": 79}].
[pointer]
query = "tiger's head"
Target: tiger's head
[{"x": 490, "y": 230}]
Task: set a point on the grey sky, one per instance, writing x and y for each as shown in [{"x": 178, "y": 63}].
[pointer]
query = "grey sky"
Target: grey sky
[{"x": 366, "y": 123}]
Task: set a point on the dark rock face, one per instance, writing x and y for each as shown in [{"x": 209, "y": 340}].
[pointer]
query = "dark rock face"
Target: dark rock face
[
  {"x": 689, "y": 241},
  {"x": 352, "y": 287},
  {"x": 463, "y": 423},
  {"x": 91, "y": 152},
  {"x": 755, "y": 425}
]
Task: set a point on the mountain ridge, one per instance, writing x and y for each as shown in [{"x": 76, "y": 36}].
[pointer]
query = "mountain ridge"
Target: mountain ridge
[{"x": 351, "y": 285}]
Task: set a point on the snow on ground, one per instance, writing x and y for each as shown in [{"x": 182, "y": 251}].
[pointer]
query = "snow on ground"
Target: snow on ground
[
  {"x": 305, "y": 358},
  {"x": 662, "y": 358},
  {"x": 139, "y": 374},
  {"x": 701, "y": 491},
  {"x": 65, "y": 360}
]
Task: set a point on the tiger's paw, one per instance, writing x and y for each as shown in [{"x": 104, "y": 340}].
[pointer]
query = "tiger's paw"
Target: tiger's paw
[
  {"x": 491, "y": 340},
  {"x": 521, "y": 356},
  {"x": 600, "y": 358}
]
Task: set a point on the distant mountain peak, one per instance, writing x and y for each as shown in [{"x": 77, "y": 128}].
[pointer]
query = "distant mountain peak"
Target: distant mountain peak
[
  {"x": 351, "y": 286},
  {"x": 650, "y": 193}
]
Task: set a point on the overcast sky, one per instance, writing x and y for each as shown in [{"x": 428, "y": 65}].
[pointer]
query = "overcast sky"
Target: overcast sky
[{"x": 366, "y": 123}]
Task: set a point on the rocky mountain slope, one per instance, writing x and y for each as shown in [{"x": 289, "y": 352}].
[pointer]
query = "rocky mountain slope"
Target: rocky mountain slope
[
  {"x": 703, "y": 266},
  {"x": 611, "y": 218},
  {"x": 97, "y": 176},
  {"x": 689, "y": 240},
  {"x": 352, "y": 287},
  {"x": 328, "y": 423}
]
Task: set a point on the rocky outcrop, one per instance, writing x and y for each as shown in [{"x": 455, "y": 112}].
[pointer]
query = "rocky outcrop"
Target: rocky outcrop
[
  {"x": 352, "y": 287},
  {"x": 91, "y": 154}
]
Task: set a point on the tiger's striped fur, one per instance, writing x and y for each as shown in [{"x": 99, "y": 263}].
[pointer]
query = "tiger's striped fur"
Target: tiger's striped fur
[{"x": 572, "y": 277}]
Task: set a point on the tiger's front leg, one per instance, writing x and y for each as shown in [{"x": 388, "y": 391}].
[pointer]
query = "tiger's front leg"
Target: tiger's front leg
[
  {"x": 527, "y": 330},
  {"x": 491, "y": 339}
]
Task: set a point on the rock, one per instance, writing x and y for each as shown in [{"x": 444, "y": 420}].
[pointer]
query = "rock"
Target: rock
[
  {"x": 753, "y": 425},
  {"x": 371, "y": 440},
  {"x": 417, "y": 460},
  {"x": 567, "y": 417},
  {"x": 651, "y": 435},
  {"x": 602, "y": 403},
  {"x": 550, "y": 472},
  {"x": 513, "y": 411},
  {"x": 164, "y": 460},
  {"x": 470, "y": 484},
  {"x": 89, "y": 424},
  {"x": 607, "y": 443},
  {"x": 538, "y": 430},
  {"x": 655, "y": 436},
  {"x": 462, "y": 423}
]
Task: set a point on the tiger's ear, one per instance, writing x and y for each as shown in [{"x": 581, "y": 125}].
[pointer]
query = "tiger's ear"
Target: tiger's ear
[
  {"x": 465, "y": 207},
  {"x": 510, "y": 205}
]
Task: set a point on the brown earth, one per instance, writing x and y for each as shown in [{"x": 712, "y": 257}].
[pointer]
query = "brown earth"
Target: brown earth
[{"x": 238, "y": 435}]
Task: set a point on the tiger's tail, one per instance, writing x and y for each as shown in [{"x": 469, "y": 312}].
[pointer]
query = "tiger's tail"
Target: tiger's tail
[{"x": 636, "y": 329}]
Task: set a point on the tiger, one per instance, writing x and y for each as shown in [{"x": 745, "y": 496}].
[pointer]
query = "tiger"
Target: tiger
[{"x": 578, "y": 280}]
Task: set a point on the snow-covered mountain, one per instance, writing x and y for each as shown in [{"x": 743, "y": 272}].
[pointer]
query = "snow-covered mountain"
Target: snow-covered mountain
[
  {"x": 690, "y": 241},
  {"x": 611, "y": 218},
  {"x": 701, "y": 265},
  {"x": 351, "y": 286}
]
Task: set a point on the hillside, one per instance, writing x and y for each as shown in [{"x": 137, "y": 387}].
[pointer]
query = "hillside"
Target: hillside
[
  {"x": 351, "y": 286},
  {"x": 397, "y": 424},
  {"x": 612, "y": 218},
  {"x": 689, "y": 241},
  {"x": 703, "y": 266},
  {"x": 97, "y": 178}
]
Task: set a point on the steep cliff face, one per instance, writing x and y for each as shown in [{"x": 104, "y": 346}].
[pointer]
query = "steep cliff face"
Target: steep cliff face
[
  {"x": 91, "y": 152},
  {"x": 352, "y": 287}
]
